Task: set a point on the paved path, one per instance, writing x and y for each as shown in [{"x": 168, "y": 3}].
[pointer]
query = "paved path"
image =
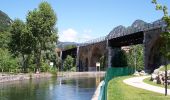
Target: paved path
[{"x": 138, "y": 82}]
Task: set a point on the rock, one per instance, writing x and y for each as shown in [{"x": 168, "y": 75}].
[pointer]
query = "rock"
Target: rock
[
  {"x": 154, "y": 81},
  {"x": 156, "y": 71},
  {"x": 136, "y": 73},
  {"x": 154, "y": 76}
]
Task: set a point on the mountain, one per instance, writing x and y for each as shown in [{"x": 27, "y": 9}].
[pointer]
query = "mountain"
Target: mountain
[
  {"x": 5, "y": 21},
  {"x": 64, "y": 45}
]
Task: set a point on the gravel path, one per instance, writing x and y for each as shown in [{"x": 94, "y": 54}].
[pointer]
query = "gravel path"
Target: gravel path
[{"x": 138, "y": 82}]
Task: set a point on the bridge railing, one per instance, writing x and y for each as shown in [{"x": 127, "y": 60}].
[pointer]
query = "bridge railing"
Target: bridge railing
[{"x": 97, "y": 40}]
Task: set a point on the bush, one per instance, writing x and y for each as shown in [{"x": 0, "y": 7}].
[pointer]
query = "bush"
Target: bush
[
  {"x": 73, "y": 69},
  {"x": 53, "y": 71},
  {"x": 45, "y": 67},
  {"x": 119, "y": 59},
  {"x": 68, "y": 63},
  {"x": 7, "y": 62}
]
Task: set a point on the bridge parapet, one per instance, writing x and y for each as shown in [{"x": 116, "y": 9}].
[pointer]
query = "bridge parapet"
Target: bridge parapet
[{"x": 97, "y": 40}]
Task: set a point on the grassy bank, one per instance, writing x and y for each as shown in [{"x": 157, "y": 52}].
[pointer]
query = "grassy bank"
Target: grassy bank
[{"x": 117, "y": 90}]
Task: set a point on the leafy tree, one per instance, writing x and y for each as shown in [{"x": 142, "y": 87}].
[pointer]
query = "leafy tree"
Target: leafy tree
[
  {"x": 136, "y": 53},
  {"x": 102, "y": 63},
  {"x": 21, "y": 41},
  {"x": 165, "y": 46},
  {"x": 119, "y": 59},
  {"x": 7, "y": 62},
  {"x": 4, "y": 39},
  {"x": 41, "y": 22},
  {"x": 165, "y": 49},
  {"x": 68, "y": 63}
]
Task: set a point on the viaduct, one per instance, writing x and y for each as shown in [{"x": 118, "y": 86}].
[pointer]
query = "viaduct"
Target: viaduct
[{"x": 140, "y": 32}]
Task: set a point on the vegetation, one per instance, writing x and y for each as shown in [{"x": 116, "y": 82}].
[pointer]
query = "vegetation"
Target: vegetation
[
  {"x": 165, "y": 49},
  {"x": 135, "y": 57},
  {"x": 165, "y": 46},
  {"x": 117, "y": 90},
  {"x": 119, "y": 59},
  {"x": 31, "y": 43},
  {"x": 69, "y": 47},
  {"x": 163, "y": 68},
  {"x": 147, "y": 80},
  {"x": 41, "y": 23},
  {"x": 21, "y": 41},
  {"x": 68, "y": 64},
  {"x": 102, "y": 63},
  {"x": 165, "y": 42},
  {"x": 7, "y": 62}
]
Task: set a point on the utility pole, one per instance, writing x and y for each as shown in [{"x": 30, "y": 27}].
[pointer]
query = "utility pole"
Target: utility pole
[
  {"x": 135, "y": 57},
  {"x": 166, "y": 73}
]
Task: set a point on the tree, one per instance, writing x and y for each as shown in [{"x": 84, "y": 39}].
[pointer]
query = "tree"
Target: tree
[
  {"x": 4, "y": 39},
  {"x": 135, "y": 57},
  {"x": 165, "y": 46},
  {"x": 102, "y": 63},
  {"x": 41, "y": 22},
  {"x": 21, "y": 41},
  {"x": 7, "y": 62},
  {"x": 68, "y": 63}
]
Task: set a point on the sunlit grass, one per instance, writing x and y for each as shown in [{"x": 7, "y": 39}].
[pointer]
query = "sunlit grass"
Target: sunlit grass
[{"x": 117, "y": 90}]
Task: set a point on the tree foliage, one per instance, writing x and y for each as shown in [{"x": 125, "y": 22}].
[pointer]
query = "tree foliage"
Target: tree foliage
[
  {"x": 21, "y": 41},
  {"x": 165, "y": 49},
  {"x": 41, "y": 22},
  {"x": 136, "y": 55},
  {"x": 68, "y": 63},
  {"x": 7, "y": 62},
  {"x": 4, "y": 39}
]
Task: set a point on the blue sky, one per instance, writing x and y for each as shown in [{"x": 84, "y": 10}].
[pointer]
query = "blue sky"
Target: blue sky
[{"x": 82, "y": 20}]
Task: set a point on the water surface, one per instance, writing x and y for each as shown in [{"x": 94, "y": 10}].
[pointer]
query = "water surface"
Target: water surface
[{"x": 50, "y": 89}]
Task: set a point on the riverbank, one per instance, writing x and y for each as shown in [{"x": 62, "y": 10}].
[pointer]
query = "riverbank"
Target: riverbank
[
  {"x": 81, "y": 74},
  {"x": 5, "y": 77}
]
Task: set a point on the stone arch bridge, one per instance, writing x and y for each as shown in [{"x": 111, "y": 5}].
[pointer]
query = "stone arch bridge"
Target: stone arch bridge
[{"x": 140, "y": 32}]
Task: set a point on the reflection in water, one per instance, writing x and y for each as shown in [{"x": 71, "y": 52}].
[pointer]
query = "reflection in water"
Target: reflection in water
[{"x": 49, "y": 89}]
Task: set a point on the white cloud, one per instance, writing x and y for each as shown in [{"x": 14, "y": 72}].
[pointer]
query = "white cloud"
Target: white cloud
[
  {"x": 71, "y": 35},
  {"x": 68, "y": 35}
]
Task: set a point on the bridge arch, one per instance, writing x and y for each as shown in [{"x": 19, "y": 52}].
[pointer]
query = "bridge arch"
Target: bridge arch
[{"x": 97, "y": 53}]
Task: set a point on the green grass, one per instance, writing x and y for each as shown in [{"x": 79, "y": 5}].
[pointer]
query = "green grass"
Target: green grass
[
  {"x": 117, "y": 90},
  {"x": 163, "y": 68},
  {"x": 147, "y": 80}
]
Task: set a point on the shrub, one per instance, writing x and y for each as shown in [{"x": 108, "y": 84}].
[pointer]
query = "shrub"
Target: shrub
[
  {"x": 45, "y": 67},
  {"x": 68, "y": 63},
  {"x": 7, "y": 62},
  {"x": 73, "y": 69}
]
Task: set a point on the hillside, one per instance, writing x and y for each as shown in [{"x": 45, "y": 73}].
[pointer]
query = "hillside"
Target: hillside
[
  {"x": 5, "y": 21},
  {"x": 64, "y": 45}
]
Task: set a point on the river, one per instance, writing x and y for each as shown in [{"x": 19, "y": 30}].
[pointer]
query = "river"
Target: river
[{"x": 80, "y": 88}]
